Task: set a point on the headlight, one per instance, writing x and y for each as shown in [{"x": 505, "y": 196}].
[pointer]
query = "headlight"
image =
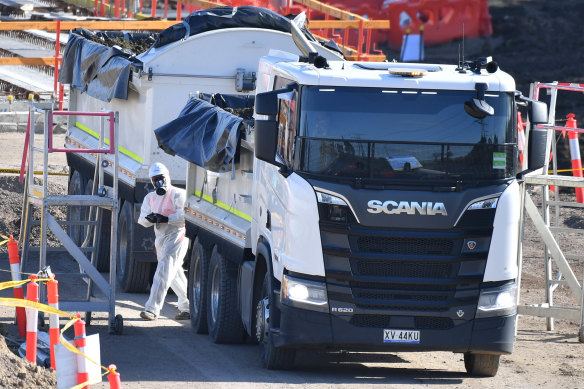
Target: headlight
[
  {"x": 304, "y": 294},
  {"x": 484, "y": 204},
  {"x": 332, "y": 208},
  {"x": 501, "y": 301}
]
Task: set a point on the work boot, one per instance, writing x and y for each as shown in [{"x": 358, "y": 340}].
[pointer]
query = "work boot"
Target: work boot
[
  {"x": 147, "y": 315},
  {"x": 182, "y": 316}
]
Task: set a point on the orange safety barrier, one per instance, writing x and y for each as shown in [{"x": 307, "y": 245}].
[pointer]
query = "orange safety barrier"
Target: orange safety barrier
[
  {"x": 80, "y": 343},
  {"x": 575, "y": 154},
  {"x": 443, "y": 20},
  {"x": 114, "y": 378},
  {"x": 18, "y": 290},
  {"x": 32, "y": 294},
  {"x": 54, "y": 331}
]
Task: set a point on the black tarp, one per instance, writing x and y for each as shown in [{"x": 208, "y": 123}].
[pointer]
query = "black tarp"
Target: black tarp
[
  {"x": 100, "y": 71},
  {"x": 205, "y": 134},
  {"x": 223, "y": 17}
]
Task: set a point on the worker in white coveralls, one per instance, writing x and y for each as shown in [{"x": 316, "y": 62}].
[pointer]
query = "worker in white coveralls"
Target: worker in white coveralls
[{"x": 163, "y": 209}]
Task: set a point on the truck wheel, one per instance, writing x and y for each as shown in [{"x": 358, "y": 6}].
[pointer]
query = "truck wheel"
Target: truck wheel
[
  {"x": 483, "y": 365},
  {"x": 223, "y": 319},
  {"x": 77, "y": 213},
  {"x": 273, "y": 358},
  {"x": 133, "y": 275},
  {"x": 198, "y": 272}
]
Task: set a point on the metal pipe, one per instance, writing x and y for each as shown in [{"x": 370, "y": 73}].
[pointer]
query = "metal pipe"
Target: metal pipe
[{"x": 143, "y": 73}]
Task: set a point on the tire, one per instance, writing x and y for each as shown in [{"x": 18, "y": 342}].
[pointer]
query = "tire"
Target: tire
[
  {"x": 273, "y": 358},
  {"x": 481, "y": 365},
  {"x": 132, "y": 275},
  {"x": 197, "y": 293},
  {"x": 77, "y": 213},
  {"x": 223, "y": 320}
]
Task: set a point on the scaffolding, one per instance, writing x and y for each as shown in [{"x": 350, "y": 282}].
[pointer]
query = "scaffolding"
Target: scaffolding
[
  {"x": 558, "y": 265},
  {"x": 82, "y": 237}
]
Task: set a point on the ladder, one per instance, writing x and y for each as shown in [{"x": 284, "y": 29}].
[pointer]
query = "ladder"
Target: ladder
[
  {"x": 557, "y": 266},
  {"x": 84, "y": 250}
]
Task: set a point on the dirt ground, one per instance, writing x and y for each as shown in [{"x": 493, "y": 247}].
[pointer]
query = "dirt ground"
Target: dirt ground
[{"x": 534, "y": 40}]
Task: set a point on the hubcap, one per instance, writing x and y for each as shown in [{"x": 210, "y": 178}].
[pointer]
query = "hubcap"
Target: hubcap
[{"x": 262, "y": 319}]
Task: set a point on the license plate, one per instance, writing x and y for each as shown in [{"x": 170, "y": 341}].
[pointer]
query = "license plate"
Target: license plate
[{"x": 401, "y": 336}]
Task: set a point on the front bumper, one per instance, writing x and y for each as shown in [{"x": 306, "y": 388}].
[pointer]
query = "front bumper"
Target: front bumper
[{"x": 309, "y": 329}]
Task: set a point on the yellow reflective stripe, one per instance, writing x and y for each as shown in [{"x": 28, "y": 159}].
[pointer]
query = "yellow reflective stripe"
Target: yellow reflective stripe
[
  {"x": 106, "y": 141},
  {"x": 224, "y": 206}
]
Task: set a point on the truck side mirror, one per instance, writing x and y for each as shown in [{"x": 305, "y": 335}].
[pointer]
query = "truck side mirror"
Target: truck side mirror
[
  {"x": 266, "y": 140},
  {"x": 536, "y": 149},
  {"x": 538, "y": 113}
]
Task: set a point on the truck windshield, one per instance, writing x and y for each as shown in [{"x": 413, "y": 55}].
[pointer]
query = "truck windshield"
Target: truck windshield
[{"x": 404, "y": 134}]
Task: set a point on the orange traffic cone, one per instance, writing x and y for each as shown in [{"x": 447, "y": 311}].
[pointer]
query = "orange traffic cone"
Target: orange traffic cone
[
  {"x": 18, "y": 291},
  {"x": 575, "y": 154}
]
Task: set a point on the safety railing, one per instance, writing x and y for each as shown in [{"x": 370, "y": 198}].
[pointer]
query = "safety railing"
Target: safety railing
[
  {"x": 353, "y": 32},
  {"x": 557, "y": 266}
]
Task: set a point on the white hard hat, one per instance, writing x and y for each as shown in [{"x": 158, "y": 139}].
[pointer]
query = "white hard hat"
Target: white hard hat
[{"x": 157, "y": 169}]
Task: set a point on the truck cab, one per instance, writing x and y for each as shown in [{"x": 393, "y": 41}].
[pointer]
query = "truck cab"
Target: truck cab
[{"x": 387, "y": 195}]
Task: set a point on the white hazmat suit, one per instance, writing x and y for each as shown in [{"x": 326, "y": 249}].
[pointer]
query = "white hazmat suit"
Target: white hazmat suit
[{"x": 164, "y": 210}]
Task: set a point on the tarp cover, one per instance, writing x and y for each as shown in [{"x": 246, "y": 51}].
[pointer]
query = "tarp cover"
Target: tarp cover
[
  {"x": 204, "y": 134},
  {"x": 100, "y": 71},
  {"x": 223, "y": 17}
]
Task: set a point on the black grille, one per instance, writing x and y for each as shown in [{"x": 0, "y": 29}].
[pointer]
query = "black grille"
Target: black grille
[
  {"x": 433, "y": 323},
  {"x": 420, "y": 322},
  {"x": 398, "y": 296},
  {"x": 423, "y": 269},
  {"x": 402, "y": 297},
  {"x": 406, "y": 246},
  {"x": 370, "y": 321}
]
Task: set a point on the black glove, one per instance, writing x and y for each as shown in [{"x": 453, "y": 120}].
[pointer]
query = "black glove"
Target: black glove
[
  {"x": 157, "y": 218},
  {"x": 161, "y": 218}
]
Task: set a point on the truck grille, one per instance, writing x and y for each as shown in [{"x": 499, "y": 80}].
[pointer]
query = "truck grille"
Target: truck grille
[
  {"x": 405, "y": 246},
  {"x": 421, "y": 277},
  {"x": 421, "y": 269}
]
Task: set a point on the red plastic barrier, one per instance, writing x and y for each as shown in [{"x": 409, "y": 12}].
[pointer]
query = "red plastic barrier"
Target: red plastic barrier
[{"x": 442, "y": 19}]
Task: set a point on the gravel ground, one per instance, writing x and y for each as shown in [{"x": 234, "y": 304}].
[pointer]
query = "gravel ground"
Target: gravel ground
[{"x": 534, "y": 40}]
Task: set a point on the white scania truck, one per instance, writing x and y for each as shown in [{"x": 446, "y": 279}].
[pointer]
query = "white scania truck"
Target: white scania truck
[{"x": 371, "y": 206}]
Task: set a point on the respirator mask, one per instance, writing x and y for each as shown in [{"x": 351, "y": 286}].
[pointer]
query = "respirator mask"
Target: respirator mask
[{"x": 159, "y": 184}]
